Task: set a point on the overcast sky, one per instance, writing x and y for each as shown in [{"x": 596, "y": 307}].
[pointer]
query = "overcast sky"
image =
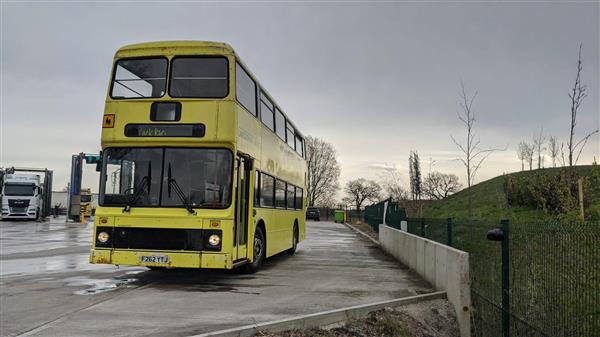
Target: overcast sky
[{"x": 374, "y": 79}]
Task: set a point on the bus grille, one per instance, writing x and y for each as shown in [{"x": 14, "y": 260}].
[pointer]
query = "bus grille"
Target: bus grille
[{"x": 154, "y": 238}]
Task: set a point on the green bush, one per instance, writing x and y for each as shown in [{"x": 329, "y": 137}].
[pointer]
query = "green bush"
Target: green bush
[{"x": 554, "y": 192}]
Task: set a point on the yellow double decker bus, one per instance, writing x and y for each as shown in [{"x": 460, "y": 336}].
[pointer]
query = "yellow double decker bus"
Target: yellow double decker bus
[{"x": 200, "y": 166}]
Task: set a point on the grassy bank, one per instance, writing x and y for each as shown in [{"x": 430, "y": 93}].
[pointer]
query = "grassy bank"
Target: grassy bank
[{"x": 489, "y": 200}]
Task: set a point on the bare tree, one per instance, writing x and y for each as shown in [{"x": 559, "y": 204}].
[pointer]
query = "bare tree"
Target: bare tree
[
  {"x": 530, "y": 153},
  {"x": 563, "y": 161},
  {"x": 538, "y": 144},
  {"x": 360, "y": 190},
  {"x": 553, "y": 149},
  {"x": 323, "y": 171},
  {"x": 439, "y": 185},
  {"x": 577, "y": 95},
  {"x": 522, "y": 153},
  {"x": 391, "y": 182},
  {"x": 473, "y": 155}
]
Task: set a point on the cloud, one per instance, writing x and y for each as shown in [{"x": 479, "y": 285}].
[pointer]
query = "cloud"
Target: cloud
[{"x": 376, "y": 80}]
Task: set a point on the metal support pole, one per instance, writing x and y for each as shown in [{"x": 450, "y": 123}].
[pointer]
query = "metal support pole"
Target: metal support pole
[
  {"x": 505, "y": 280},
  {"x": 449, "y": 229}
]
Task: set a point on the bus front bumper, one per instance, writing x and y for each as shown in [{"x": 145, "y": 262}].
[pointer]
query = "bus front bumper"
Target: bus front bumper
[{"x": 163, "y": 259}]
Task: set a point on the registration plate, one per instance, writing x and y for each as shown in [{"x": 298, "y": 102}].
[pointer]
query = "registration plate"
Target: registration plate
[{"x": 162, "y": 259}]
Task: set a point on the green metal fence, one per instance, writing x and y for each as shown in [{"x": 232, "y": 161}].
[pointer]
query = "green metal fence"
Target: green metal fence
[
  {"x": 373, "y": 214},
  {"x": 541, "y": 279},
  {"x": 328, "y": 214}
]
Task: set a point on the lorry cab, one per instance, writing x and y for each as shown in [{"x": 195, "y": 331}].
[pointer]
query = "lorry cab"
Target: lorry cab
[
  {"x": 86, "y": 202},
  {"x": 21, "y": 196}
]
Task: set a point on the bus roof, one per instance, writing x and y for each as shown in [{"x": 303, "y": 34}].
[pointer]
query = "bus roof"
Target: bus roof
[
  {"x": 177, "y": 46},
  {"x": 165, "y": 46}
]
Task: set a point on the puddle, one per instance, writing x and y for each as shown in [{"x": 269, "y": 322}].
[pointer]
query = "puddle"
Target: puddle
[{"x": 97, "y": 286}]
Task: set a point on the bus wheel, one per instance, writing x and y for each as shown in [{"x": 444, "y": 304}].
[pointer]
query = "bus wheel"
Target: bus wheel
[
  {"x": 259, "y": 251},
  {"x": 292, "y": 250}
]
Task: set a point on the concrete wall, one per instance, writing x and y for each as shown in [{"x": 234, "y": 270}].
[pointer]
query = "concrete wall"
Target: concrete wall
[{"x": 444, "y": 267}]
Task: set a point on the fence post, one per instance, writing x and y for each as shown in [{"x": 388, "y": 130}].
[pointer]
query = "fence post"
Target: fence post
[
  {"x": 422, "y": 227},
  {"x": 505, "y": 280},
  {"x": 449, "y": 229}
]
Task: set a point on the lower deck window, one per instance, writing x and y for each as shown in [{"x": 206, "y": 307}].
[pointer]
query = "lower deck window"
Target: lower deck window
[
  {"x": 267, "y": 185},
  {"x": 280, "y": 194},
  {"x": 291, "y": 196},
  {"x": 298, "y": 198}
]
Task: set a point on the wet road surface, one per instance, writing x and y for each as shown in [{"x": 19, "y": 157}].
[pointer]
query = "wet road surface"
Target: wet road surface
[{"x": 49, "y": 289}]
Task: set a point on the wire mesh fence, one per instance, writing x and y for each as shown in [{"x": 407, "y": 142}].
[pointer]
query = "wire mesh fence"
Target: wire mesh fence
[{"x": 553, "y": 273}]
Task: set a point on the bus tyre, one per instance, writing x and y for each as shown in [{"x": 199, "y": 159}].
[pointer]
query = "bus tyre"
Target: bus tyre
[
  {"x": 259, "y": 251},
  {"x": 292, "y": 250}
]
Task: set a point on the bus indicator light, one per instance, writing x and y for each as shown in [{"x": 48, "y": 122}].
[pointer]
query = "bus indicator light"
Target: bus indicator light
[
  {"x": 108, "y": 121},
  {"x": 215, "y": 223}
]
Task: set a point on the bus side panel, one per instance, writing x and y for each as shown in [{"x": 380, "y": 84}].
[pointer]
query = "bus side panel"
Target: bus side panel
[
  {"x": 267, "y": 217},
  {"x": 301, "y": 226},
  {"x": 285, "y": 220}
]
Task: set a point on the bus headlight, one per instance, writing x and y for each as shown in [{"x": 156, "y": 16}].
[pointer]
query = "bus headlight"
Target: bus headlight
[
  {"x": 103, "y": 237},
  {"x": 214, "y": 240}
]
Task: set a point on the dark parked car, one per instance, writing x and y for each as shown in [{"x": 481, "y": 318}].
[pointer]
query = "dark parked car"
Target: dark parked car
[{"x": 313, "y": 213}]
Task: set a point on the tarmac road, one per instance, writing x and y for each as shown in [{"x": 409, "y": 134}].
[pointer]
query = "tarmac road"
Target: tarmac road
[{"x": 48, "y": 288}]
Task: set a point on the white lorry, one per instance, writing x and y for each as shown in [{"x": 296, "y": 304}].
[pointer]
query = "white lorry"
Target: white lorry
[{"x": 22, "y": 197}]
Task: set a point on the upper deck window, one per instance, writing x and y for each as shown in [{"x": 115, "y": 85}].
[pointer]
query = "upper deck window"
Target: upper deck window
[
  {"x": 139, "y": 78},
  {"x": 266, "y": 112},
  {"x": 280, "y": 123},
  {"x": 291, "y": 140},
  {"x": 245, "y": 89},
  {"x": 199, "y": 77},
  {"x": 299, "y": 145}
]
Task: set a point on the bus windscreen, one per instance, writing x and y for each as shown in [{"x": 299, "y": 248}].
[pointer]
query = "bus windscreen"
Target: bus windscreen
[{"x": 151, "y": 177}]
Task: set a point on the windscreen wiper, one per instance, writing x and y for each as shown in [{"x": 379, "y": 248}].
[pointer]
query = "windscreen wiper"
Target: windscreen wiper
[
  {"x": 172, "y": 184},
  {"x": 139, "y": 189}
]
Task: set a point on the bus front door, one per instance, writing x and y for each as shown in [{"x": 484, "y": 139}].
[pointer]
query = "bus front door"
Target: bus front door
[{"x": 244, "y": 168}]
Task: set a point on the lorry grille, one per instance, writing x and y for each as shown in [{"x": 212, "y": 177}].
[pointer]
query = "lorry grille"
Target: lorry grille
[
  {"x": 16, "y": 203},
  {"x": 18, "y": 210}
]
